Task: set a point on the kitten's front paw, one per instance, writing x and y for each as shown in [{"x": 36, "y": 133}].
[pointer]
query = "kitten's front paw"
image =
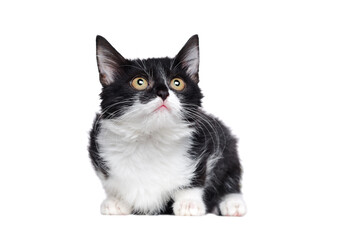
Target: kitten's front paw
[
  {"x": 189, "y": 207},
  {"x": 233, "y": 205},
  {"x": 112, "y": 206},
  {"x": 189, "y": 202}
]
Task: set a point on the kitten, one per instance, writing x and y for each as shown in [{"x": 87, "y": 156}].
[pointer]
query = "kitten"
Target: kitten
[{"x": 153, "y": 147}]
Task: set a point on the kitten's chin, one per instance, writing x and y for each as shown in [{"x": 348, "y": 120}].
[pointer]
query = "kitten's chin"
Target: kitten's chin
[
  {"x": 159, "y": 119},
  {"x": 154, "y": 115},
  {"x": 162, "y": 113}
]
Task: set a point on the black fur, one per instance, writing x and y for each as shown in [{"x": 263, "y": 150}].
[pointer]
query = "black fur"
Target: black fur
[
  {"x": 98, "y": 163},
  {"x": 211, "y": 135}
]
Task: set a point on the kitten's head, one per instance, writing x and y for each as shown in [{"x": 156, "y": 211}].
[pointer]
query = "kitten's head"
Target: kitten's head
[{"x": 154, "y": 90}]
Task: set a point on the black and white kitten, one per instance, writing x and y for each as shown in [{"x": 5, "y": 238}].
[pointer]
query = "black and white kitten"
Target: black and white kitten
[{"x": 153, "y": 147}]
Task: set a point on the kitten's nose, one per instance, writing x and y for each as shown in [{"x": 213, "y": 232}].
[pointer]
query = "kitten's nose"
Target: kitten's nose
[{"x": 163, "y": 93}]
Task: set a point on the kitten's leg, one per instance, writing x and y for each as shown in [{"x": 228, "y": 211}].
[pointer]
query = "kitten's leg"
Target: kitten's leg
[
  {"x": 189, "y": 202},
  {"x": 114, "y": 206},
  {"x": 233, "y": 205}
]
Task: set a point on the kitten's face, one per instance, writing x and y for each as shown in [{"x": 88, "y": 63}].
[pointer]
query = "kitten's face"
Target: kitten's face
[{"x": 154, "y": 90}]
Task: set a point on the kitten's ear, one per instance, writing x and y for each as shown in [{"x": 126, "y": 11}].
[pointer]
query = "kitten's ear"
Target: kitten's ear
[
  {"x": 188, "y": 57},
  {"x": 109, "y": 61}
]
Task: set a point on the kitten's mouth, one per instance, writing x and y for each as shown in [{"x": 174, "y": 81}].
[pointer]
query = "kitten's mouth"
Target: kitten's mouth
[{"x": 161, "y": 107}]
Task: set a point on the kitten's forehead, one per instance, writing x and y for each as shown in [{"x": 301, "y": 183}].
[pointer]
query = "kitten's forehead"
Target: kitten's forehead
[{"x": 157, "y": 69}]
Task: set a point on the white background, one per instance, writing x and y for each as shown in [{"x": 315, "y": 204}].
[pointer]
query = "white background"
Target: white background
[{"x": 284, "y": 75}]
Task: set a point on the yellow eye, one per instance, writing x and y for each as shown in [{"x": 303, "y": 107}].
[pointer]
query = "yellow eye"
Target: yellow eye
[
  {"x": 177, "y": 84},
  {"x": 139, "y": 83}
]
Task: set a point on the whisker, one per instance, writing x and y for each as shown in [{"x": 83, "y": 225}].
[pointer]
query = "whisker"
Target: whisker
[
  {"x": 104, "y": 111},
  {"x": 199, "y": 116},
  {"x": 196, "y": 117}
]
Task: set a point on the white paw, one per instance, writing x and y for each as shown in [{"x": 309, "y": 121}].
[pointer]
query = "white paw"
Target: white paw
[
  {"x": 233, "y": 205},
  {"x": 112, "y": 206},
  {"x": 189, "y": 202},
  {"x": 188, "y": 207}
]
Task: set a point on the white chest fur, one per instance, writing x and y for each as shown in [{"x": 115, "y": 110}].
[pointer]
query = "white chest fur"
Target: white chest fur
[{"x": 145, "y": 168}]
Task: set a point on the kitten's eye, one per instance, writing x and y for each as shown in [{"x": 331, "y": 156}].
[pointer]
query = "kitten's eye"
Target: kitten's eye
[
  {"x": 139, "y": 83},
  {"x": 177, "y": 84}
]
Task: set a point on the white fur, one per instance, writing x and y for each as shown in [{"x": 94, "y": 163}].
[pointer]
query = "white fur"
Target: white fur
[
  {"x": 146, "y": 153},
  {"x": 192, "y": 61},
  {"x": 113, "y": 206},
  {"x": 106, "y": 65},
  {"x": 211, "y": 162},
  {"x": 189, "y": 202},
  {"x": 233, "y": 205},
  {"x": 163, "y": 75}
]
